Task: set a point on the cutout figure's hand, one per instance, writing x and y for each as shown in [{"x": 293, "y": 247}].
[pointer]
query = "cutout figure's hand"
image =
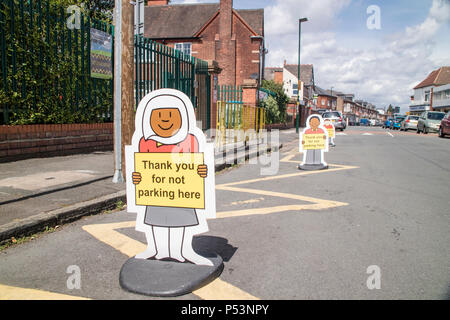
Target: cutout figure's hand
[
  {"x": 303, "y": 141},
  {"x": 136, "y": 177},
  {"x": 324, "y": 137},
  {"x": 202, "y": 170}
]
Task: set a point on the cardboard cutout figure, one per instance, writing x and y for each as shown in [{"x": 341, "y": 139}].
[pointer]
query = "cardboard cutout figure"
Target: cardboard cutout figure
[
  {"x": 313, "y": 144},
  {"x": 170, "y": 177},
  {"x": 331, "y": 131}
]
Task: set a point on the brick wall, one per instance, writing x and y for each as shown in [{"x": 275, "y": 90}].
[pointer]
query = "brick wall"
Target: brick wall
[
  {"x": 31, "y": 141},
  {"x": 228, "y": 41}
]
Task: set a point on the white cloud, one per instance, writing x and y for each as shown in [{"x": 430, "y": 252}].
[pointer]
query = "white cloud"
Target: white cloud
[{"x": 380, "y": 74}]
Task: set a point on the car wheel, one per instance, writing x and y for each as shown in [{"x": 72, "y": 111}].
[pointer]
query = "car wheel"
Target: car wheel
[
  {"x": 418, "y": 131},
  {"x": 425, "y": 130},
  {"x": 441, "y": 133}
]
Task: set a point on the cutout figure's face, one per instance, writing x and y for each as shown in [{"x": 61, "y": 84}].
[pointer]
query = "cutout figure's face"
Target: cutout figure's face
[
  {"x": 165, "y": 122},
  {"x": 314, "y": 123}
]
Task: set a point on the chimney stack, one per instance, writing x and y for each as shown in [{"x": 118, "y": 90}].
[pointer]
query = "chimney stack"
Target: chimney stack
[{"x": 225, "y": 19}]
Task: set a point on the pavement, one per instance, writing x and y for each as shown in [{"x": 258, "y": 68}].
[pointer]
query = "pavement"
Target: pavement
[
  {"x": 40, "y": 193},
  {"x": 382, "y": 205}
]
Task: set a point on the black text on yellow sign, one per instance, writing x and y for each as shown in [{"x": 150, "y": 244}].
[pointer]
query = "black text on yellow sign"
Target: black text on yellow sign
[
  {"x": 313, "y": 141},
  {"x": 170, "y": 180}
]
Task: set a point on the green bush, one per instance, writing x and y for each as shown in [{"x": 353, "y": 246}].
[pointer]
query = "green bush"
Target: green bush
[
  {"x": 48, "y": 77},
  {"x": 275, "y": 105}
]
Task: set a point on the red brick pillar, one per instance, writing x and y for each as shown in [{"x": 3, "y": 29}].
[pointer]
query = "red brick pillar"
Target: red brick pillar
[{"x": 250, "y": 92}]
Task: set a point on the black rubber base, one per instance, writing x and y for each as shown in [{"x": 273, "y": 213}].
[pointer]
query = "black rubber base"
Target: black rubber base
[
  {"x": 311, "y": 167},
  {"x": 167, "y": 278}
]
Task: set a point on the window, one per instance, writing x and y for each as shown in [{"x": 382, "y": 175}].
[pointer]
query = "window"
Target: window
[
  {"x": 295, "y": 86},
  {"x": 184, "y": 47},
  {"x": 323, "y": 102},
  {"x": 295, "y": 92},
  {"x": 427, "y": 95}
]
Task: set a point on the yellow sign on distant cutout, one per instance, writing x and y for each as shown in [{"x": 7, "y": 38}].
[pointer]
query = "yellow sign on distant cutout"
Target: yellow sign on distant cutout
[
  {"x": 330, "y": 132},
  {"x": 170, "y": 180},
  {"x": 313, "y": 141}
]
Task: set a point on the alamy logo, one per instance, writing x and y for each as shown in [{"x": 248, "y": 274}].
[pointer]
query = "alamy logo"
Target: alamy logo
[
  {"x": 374, "y": 280},
  {"x": 374, "y": 19},
  {"x": 74, "y": 20},
  {"x": 74, "y": 280}
]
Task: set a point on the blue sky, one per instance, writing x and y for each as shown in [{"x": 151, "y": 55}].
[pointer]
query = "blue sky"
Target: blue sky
[{"x": 380, "y": 66}]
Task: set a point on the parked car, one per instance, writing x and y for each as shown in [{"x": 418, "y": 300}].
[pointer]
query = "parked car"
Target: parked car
[
  {"x": 336, "y": 118},
  {"x": 387, "y": 123},
  {"x": 364, "y": 122},
  {"x": 372, "y": 122},
  {"x": 444, "y": 128},
  {"x": 410, "y": 122},
  {"x": 378, "y": 123},
  {"x": 429, "y": 121},
  {"x": 396, "y": 122}
]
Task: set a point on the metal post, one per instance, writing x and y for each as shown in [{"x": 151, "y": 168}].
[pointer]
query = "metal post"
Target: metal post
[
  {"x": 118, "y": 175},
  {"x": 297, "y": 124}
]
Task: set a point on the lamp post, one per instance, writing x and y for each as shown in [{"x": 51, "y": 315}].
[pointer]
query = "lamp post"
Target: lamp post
[
  {"x": 332, "y": 98},
  {"x": 297, "y": 123}
]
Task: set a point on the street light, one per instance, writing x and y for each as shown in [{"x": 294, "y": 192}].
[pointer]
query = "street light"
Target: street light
[
  {"x": 299, "y": 82},
  {"x": 332, "y": 98}
]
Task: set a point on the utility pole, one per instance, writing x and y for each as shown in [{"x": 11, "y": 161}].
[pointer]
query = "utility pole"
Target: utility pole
[
  {"x": 297, "y": 123},
  {"x": 127, "y": 76},
  {"x": 118, "y": 173}
]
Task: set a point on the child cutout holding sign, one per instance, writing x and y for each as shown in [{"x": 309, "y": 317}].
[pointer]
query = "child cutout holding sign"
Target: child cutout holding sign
[
  {"x": 313, "y": 144},
  {"x": 165, "y": 124}
]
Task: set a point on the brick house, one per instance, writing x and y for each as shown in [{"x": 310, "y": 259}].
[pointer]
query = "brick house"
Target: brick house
[
  {"x": 424, "y": 91},
  {"x": 212, "y": 31},
  {"x": 324, "y": 99},
  {"x": 274, "y": 74},
  {"x": 290, "y": 81}
]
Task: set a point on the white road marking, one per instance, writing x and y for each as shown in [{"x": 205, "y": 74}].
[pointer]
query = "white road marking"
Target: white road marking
[
  {"x": 390, "y": 134},
  {"x": 341, "y": 134},
  {"x": 367, "y": 134}
]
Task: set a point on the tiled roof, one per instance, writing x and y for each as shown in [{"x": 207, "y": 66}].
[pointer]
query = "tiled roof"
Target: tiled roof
[
  {"x": 437, "y": 77},
  {"x": 185, "y": 20},
  {"x": 306, "y": 72}
]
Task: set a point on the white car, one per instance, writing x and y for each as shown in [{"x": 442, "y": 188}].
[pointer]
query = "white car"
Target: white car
[{"x": 409, "y": 123}]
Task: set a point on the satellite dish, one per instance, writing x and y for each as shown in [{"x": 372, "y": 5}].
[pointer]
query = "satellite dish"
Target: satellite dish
[{"x": 254, "y": 76}]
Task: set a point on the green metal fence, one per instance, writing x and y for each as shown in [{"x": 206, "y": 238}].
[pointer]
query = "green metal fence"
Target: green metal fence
[
  {"x": 45, "y": 67},
  {"x": 229, "y": 93},
  {"x": 158, "y": 66}
]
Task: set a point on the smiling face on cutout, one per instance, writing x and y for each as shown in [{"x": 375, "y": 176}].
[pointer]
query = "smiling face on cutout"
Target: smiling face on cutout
[{"x": 165, "y": 122}]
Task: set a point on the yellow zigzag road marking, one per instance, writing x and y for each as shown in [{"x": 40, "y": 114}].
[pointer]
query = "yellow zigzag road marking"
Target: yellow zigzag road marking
[
  {"x": 288, "y": 175},
  {"x": 16, "y": 293},
  {"x": 106, "y": 233},
  {"x": 317, "y": 204}
]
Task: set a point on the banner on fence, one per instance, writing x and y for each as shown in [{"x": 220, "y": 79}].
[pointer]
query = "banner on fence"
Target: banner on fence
[{"x": 101, "y": 54}]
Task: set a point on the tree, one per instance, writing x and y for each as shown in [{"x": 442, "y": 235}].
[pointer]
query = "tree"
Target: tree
[
  {"x": 390, "y": 109},
  {"x": 280, "y": 98},
  {"x": 271, "y": 106},
  {"x": 97, "y": 9}
]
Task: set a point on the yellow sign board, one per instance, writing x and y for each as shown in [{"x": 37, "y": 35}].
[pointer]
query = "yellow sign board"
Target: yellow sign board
[
  {"x": 330, "y": 132},
  {"x": 313, "y": 141},
  {"x": 170, "y": 180}
]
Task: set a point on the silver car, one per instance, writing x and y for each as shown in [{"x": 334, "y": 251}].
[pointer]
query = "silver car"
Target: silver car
[
  {"x": 410, "y": 123},
  {"x": 336, "y": 119},
  {"x": 429, "y": 121}
]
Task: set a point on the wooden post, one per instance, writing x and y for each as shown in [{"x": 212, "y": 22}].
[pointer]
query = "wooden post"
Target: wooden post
[{"x": 127, "y": 76}]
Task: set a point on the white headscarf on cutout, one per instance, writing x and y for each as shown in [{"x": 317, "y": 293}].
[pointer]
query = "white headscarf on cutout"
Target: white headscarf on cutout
[{"x": 167, "y": 101}]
